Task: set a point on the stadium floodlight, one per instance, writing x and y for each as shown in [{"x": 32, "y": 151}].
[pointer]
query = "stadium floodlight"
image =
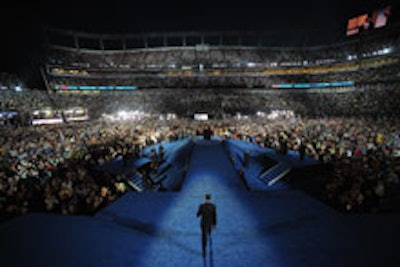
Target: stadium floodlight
[
  {"x": 351, "y": 57},
  {"x": 260, "y": 114},
  {"x": 171, "y": 116},
  {"x": 122, "y": 115},
  {"x": 387, "y": 50}
]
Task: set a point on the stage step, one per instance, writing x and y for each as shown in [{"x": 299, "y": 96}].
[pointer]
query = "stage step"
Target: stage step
[{"x": 275, "y": 173}]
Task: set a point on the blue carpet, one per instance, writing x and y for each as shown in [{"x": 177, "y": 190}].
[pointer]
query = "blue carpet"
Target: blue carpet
[{"x": 281, "y": 227}]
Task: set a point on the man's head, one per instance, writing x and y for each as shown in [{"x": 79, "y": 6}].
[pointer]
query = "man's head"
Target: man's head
[{"x": 207, "y": 197}]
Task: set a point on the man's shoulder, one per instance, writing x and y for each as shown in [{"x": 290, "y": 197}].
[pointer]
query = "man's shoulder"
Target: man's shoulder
[{"x": 209, "y": 204}]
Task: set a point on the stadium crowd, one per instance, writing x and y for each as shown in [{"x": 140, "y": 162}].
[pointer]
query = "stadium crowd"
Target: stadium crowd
[
  {"x": 233, "y": 56},
  {"x": 206, "y": 66},
  {"x": 353, "y": 130},
  {"x": 54, "y": 167},
  {"x": 379, "y": 71}
]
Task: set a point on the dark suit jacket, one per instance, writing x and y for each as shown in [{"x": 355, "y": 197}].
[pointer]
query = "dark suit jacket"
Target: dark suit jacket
[{"x": 208, "y": 213}]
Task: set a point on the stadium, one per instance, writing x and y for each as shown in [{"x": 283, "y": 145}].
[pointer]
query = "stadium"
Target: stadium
[{"x": 296, "y": 140}]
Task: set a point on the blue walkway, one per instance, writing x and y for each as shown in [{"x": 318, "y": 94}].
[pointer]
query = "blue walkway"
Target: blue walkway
[{"x": 281, "y": 227}]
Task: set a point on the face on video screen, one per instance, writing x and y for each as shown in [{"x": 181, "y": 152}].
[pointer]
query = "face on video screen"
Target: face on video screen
[{"x": 377, "y": 19}]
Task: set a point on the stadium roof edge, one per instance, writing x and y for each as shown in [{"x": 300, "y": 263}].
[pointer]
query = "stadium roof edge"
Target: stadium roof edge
[
  {"x": 172, "y": 48},
  {"x": 259, "y": 35},
  {"x": 150, "y": 34}
]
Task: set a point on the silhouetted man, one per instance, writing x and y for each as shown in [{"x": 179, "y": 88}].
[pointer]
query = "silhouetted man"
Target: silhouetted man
[
  {"x": 302, "y": 151},
  {"x": 208, "y": 213},
  {"x": 207, "y": 133}
]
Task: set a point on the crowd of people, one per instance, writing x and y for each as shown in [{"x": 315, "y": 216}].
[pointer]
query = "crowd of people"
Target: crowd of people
[
  {"x": 369, "y": 100},
  {"x": 378, "y": 69},
  {"x": 54, "y": 167},
  {"x": 225, "y": 56},
  {"x": 222, "y": 66},
  {"x": 352, "y": 130}
]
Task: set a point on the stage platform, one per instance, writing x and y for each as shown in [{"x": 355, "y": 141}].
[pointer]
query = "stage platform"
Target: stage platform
[{"x": 281, "y": 226}]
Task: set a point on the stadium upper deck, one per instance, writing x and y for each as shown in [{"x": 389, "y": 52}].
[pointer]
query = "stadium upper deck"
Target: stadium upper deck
[{"x": 239, "y": 60}]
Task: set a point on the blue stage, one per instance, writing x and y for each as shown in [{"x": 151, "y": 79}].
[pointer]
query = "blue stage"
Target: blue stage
[{"x": 258, "y": 225}]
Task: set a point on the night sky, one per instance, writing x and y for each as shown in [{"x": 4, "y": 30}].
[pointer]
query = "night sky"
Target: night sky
[{"x": 21, "y": 23}]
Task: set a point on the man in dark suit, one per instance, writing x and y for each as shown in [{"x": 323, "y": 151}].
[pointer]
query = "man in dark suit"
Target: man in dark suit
[
  {"x": 208, "y": 213},
  {"x": 207, "y": 133}
]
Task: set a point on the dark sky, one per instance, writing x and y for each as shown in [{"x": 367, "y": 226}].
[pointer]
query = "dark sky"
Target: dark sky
[{"x": 21, "y": 22}]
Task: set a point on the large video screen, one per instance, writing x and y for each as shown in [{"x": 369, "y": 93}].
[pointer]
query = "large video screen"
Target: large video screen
[
  {"x": 354, "y": 25},
  {"x": 380, "y": 17},
  {"x": 377, "y": 19}
]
